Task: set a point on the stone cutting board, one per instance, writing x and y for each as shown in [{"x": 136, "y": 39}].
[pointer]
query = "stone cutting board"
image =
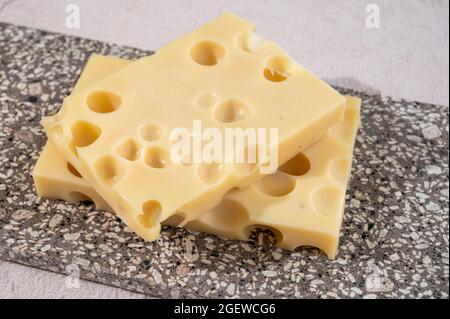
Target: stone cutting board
[{"x": 394, "y": 236}]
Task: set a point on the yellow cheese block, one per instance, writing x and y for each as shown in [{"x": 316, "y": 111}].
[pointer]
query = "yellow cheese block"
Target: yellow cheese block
[
  {"x": 116, "y": 132},
  {"x": 302, "y": 203}
]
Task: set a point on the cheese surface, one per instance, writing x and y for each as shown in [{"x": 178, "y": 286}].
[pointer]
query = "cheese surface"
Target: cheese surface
[
  {"x": 115, "y": 132},
  {"x": 302, "y": 203}
]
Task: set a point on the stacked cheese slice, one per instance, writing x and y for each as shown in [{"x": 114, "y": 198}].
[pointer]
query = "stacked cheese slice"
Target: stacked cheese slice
[{"x": 110, "y": 140}]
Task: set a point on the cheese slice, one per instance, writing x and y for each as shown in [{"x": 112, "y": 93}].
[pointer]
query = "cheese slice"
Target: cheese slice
[
  {"x": 302, "y": 203},
  {"x": 116, "y": 132}
]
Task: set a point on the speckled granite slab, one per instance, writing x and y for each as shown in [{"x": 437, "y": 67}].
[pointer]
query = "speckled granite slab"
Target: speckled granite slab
[{"x": 394, "y": 235}]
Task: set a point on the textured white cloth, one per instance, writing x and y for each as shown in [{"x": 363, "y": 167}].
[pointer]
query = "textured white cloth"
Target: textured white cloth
[
  {"x": 17, "y": 281},
  {"x": 406, "y": 57}
]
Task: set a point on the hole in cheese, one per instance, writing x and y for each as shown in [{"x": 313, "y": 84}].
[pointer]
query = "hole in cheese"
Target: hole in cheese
[
  {"x": 297, "y": 166},
  {"x": 205, "y": 100},
  {"x": 210, "y": 173},
  {"x": 207, "y": 53},
  {"x": 228, "y": 214},
  {"x": 151, "y": 132},
  {"x": 328, "y": 200},
  {"x": 151, "y": 212},
  {"x": 232, "y": 110},
  {"x": 109, "y": 169},
  {"x": 278, "y": 69},
  {"x": 277, "y": 184},
  {"x": 273, "y": 75},
  {"x": 340, "y": 169},
  {"x": 84, "y": 133},
  {"x": 73, "y": 170},
  {"x": 103, "y": 102},
  {"x": 275, "y": 236},
  {"x": 157, "y": 157},
  {"x": 250, "y": 42},
  {"x": 75, "y": 197},
  {"x": 129, "y": 150}
]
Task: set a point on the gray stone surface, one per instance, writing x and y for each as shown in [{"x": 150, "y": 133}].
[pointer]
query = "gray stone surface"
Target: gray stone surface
[{"x": 394, "y": 235}]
